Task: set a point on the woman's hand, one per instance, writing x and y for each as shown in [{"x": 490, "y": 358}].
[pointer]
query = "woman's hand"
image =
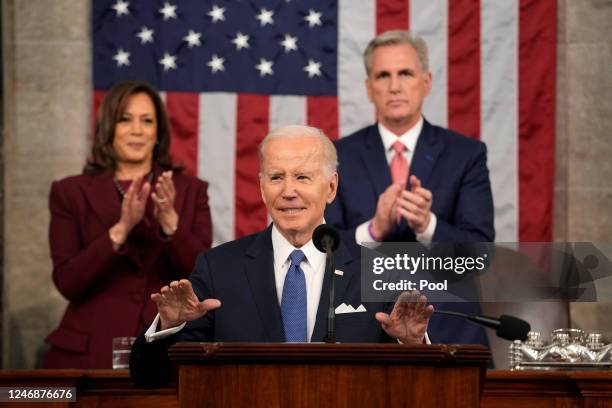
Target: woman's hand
[
  {"x": 163, "y": 196},
  {"x": 132, "y": 211}
]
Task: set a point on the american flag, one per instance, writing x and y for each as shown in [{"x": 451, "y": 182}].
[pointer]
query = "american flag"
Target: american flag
[{"x": 229, "y": 71}]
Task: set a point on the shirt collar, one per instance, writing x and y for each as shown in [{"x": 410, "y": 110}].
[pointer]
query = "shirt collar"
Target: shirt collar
[
  {"x": 283, "y": 248},
  {"x": 409, "y": 138}
]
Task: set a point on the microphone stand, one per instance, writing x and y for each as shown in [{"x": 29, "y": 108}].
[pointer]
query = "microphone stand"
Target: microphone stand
[{"x": 331, "y": 311}]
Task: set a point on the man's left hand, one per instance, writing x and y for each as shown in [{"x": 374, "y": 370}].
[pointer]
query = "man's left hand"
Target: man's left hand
[
  {"x": 409, "y": 319},
  {"x": 415, "y": 205}
]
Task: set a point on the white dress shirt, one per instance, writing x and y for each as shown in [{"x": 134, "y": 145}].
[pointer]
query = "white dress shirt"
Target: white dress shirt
[{"x": 409, "y": 140}]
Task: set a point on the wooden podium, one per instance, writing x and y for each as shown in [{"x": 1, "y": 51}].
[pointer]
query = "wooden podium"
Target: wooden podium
[{"x": 329, "y": 375}]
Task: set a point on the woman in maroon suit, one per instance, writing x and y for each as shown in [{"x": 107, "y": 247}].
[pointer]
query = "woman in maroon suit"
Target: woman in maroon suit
[{"x": 131, "y": 223}]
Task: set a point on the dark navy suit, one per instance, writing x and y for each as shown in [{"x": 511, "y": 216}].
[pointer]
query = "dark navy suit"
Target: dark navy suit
[
  {"x": 454, "y": 168},
  {"x": 241, "y": 275}
]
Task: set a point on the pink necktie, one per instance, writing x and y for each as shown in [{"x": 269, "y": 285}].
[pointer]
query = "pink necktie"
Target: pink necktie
[{"x": 399, "y": 165}]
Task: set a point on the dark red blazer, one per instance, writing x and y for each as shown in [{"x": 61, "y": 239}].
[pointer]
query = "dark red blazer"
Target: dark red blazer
[{"x": 109, "y": 292}]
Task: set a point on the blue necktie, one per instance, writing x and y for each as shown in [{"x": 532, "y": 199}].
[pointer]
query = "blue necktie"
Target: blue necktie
[{"x": 293, "y": 304}]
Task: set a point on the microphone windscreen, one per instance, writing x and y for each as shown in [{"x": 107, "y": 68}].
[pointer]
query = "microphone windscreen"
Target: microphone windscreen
[
  {"x": 323, "y": 233},
  {"x": 512, "y": 328}
]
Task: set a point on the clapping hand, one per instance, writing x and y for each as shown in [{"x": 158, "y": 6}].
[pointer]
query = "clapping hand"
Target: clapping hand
[
  {"x": 132, "y": 210},
  {"x": 415, "y": 205},
  {"x": 163, "y": 196}
]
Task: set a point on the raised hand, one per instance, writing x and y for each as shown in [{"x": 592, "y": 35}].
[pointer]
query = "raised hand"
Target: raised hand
[
  {"x": 177, "y": 303},
  {"x": 163, "y": 197},
  {"x": 415, "y": 205},
  {"x": 409, "y": 319}
]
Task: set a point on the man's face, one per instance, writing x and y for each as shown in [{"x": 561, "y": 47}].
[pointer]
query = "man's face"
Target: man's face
[
  {"x": 397, "y": 85},
  {"x": 295, "y": 187}
]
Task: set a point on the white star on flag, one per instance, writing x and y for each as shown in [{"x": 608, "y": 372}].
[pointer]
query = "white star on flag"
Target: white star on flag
[
  {"x": 313, "y": 68},
  {"x": 193, "y": 38},
  {"x": 145, "y": 35},
  {"x": 217, "y": 13},
  {"x": 241, "y": 41},
  {"x": 313, "y": 18},
  {"x": 169, "y": 11},
  {"x": 264, "y": 67},
  {"x": 265, "y": 17},
  {"x": 121, "y": 8},
  {"x": 122, "y": 57},
  {"x": 289, "y": 43},
  {"x": 169, "y": 61},
  {"x": 216, "y": 64}
]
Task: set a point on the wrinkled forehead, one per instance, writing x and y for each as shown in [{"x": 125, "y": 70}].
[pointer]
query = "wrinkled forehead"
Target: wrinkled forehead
[{"x": 303, "y": 153}]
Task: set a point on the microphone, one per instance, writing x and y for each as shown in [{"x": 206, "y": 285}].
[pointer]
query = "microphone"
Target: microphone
[
  {"x": 507, "y": 327},
  {"x": 326, "y": 239}
]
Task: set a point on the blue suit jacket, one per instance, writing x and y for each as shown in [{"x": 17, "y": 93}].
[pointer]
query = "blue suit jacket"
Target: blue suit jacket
[
  {"x": 241, "y": 275},
  {"x": 454, "y": 168}
]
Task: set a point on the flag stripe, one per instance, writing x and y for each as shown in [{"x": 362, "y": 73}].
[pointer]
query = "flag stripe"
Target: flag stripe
[
  {"x": 392, "y": 15},
  {"x": 356, "y": 27},
  {"x": 183, "y": 113},
  {"x": 216, "y": 146},
  {"x": 429, "y": 19},
  {"x": 537, "y": 40},
  {"x": 322, "y": 112},
  {"x": 98, "y": 96},
  {"x": 287, "y": 110},
  {"x": 252, "y": 125},
  {"x": 464, "y": 67},
  {"x": 499, "y": 109}
]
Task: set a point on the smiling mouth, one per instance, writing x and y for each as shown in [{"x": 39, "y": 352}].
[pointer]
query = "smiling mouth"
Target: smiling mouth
[{"x": 291, "y": 211}]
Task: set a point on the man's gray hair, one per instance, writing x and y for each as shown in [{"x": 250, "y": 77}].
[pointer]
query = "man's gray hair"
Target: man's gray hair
[
  {"x": 395, "y": 37},
  {"x": 330, "y": 157}
]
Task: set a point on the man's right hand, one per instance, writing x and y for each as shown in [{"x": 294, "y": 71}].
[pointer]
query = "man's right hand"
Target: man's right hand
[
  {"x": 177, "y": 303},
  {"x": 386, "y": 211}
]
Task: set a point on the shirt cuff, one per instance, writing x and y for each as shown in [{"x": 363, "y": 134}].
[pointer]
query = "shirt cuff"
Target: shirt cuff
[
  {"x": 151, "y": 334},
  {"x": 427, "y": 341},
  {"x": 427, "y": 236},
  {"x": 362, "y": 234}
]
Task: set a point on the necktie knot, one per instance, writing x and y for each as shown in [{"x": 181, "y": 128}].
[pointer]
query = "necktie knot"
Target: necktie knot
[
  {"x": 399, "y": 147},
  {"x": 297, "y": 256}
]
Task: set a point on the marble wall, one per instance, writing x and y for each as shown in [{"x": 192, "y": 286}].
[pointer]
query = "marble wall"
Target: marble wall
[
  {"x": 47, "y": 83},
  {"x": 584, "y": 126},
  {"x": 47, "y": 78}
]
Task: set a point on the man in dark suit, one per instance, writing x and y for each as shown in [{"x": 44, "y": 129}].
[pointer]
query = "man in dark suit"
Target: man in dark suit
[
  {"x": 405, "y": 180},
  {"x": 270, "y": 286}
]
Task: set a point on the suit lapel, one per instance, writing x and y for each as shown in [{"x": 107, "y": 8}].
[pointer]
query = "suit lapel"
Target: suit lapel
[
  {"x": 373, "y": 156},
  {"x": 426, "y": 153},
  {"x": 259, "y": 270},
  {"x": 104, "y": 199},
  {"x": 342, "y": 257}
]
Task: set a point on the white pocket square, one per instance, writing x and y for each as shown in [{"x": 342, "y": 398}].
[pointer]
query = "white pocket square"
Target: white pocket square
[{"x": 344, "y": 308}]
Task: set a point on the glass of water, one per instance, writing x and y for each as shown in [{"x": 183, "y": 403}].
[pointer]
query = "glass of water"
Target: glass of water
[{"x": 121, "y": 352}]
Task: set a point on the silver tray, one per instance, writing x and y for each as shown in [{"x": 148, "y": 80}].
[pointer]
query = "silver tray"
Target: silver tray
[{"x": 553, "y": 366}]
